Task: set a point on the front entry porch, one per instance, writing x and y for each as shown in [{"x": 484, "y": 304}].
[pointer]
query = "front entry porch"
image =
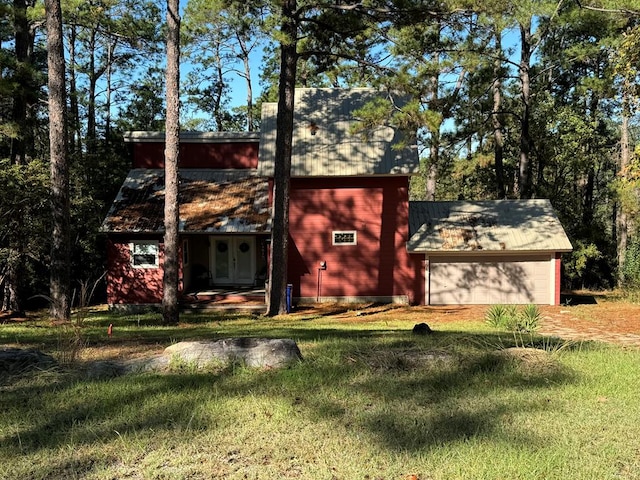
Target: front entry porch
[{"x": 218, "y": 264}]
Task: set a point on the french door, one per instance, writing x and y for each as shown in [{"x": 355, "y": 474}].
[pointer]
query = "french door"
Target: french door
[{"x": 233, "y": 260}]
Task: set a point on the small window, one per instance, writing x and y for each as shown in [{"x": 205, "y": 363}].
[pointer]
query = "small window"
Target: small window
[
  {"x": 144, "y": 254},
  {"x": 345, "y": 238}
]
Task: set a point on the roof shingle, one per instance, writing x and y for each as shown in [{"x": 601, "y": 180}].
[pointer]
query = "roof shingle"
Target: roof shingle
[
  {"x": 491, "y": 225},
  {"x": 213, "y": 201}
]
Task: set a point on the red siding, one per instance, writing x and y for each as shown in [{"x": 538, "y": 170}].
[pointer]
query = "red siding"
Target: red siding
[
  {"x": 128, "y": 285},
  {"x": 379, "y": 265},
  {"x": 230, "y": 155}
]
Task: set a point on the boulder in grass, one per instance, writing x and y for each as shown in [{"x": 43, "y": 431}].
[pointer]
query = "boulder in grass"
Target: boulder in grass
[
  {"x": 253, "y": 352},
  {"x": 113, "y": 368},
  {"x": 17, "y": 360}
]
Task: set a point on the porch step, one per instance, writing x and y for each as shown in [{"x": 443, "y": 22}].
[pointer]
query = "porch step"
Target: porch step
[
  {"x": 225, "y": 299},
  {"x": 226, "y": 307}
]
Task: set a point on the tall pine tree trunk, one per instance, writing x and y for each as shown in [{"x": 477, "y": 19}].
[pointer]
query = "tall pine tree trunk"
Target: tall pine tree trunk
[
  {"x": 496, "y": 117},
  {"x": 60, "y": 287},
  {"x": 431, "y": 180},
  {"x": 622, "y": 219},
  {"x": 282, "y": 169},
  {"x": 170, "y": 312},
  {"x": 588, "y": 205},
  {"x": 108, "y": 91},
  {"x": 21, "y": 116},
  {"x": 524, "y": 184},
  {"x": 91, "y": 97},
  {"x": 23, "y": 79},
  {"x": 76, "y": 130},
  {"x": 218, "y": 91},
  {"x": 247, "y": 76}
]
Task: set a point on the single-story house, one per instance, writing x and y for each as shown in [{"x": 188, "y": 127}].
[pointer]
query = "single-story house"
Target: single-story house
[{"x": 354, "y": 234}]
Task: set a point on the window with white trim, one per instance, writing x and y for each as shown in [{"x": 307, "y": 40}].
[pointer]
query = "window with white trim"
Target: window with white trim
[
  {"x": 144, "y": 253},
  {"x": 344, "y": 237}
]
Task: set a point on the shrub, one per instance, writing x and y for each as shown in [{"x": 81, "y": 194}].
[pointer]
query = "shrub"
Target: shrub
[
  {"x": 630, "y": 272},
  {"x": 581, "y": 263},
  {"x": 516, "y": 321},
  {"x": 503, "y": 317},
  {"x": 529, "y": 319},
  {"x": 496, "y": 316}
]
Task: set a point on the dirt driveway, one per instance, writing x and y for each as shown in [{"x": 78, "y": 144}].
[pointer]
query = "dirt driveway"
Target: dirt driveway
[
  {"x": 606, "y": 321},
  {"x": 591, "y": 317}
]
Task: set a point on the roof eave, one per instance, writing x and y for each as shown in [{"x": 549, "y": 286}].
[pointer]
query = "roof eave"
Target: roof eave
[
  {"x": 460, "y": 253},
  {"x": 254, "y": 231},
  {"x": 192, "y": 137}
]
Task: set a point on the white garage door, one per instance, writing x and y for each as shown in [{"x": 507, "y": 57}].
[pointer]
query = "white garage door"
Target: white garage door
[{"x": 489, "y": 280}]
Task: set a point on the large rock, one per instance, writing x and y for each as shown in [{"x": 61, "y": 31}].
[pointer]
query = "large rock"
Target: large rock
[
  {"x": 18, "y": 360},
  {"x": 113, "y": 368},
  {"x": 253, "y": 352}
]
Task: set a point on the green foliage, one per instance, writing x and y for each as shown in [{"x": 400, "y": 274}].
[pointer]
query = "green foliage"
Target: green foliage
[
  {"x": 626, "y": 187},
  {"x": 24, "y": 222},
  {"x": 499, "y": 316},
  {"x": 631, "y": 268},
  {"x": 581, "y": 260},
  {"x": 530, "y": 318},
  {"x": 221, "y": 39},
  {"x": 145, "y": 108},
  {"x": 510, "y": 318},
  {"x": 522, "y": 322},
  {"x": 442, "y": 56}
]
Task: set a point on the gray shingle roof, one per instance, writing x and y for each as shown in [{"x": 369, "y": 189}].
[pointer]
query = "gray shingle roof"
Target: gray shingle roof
[
  {"x": 485, "y": 226},
  {"x": 215, "y": 201},
  {"x": 324, "y": 144}
]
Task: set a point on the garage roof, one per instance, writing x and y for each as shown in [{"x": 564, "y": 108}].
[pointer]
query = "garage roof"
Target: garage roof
[
  {"x": 217, "y": 201},
  {"x": 485, "y": 226}
]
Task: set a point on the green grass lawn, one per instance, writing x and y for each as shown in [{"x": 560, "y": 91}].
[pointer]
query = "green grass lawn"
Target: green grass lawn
[{"x": 369, "y": 401}]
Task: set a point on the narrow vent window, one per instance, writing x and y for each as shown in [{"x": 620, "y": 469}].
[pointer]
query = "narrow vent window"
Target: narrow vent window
[{"x": 345, "y": 238}]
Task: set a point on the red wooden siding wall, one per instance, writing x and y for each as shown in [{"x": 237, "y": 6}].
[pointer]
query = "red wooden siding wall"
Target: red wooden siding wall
[
  {"x": 379, "y": 265},
  {"x": 225, "y": 155},
  {"x": 128, "y": 285}
]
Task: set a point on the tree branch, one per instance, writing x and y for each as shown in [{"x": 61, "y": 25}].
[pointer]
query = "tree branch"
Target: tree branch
[{"x": 622, "y": 11}]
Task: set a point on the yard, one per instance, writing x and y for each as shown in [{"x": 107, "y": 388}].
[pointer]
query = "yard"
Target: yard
[{"x": 370, "y": 400}]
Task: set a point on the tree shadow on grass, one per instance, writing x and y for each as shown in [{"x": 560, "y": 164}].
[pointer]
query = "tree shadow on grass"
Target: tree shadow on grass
[
  {"x": 402, "y": 392},
  {"x": 419, "y": 407},
  {"x": 89, "y": 411}
]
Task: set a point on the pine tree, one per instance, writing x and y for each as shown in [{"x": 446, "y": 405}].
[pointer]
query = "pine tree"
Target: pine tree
[
  {"x": 170, "y": 310},
  {"x": 282, "y": 170},
  {"x": 60, "y": 257}
]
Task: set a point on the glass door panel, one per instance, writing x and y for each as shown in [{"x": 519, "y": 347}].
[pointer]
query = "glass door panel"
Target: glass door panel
[
  {"x": 244, "y": 260},
  {"x": 221, "y": 260}
]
